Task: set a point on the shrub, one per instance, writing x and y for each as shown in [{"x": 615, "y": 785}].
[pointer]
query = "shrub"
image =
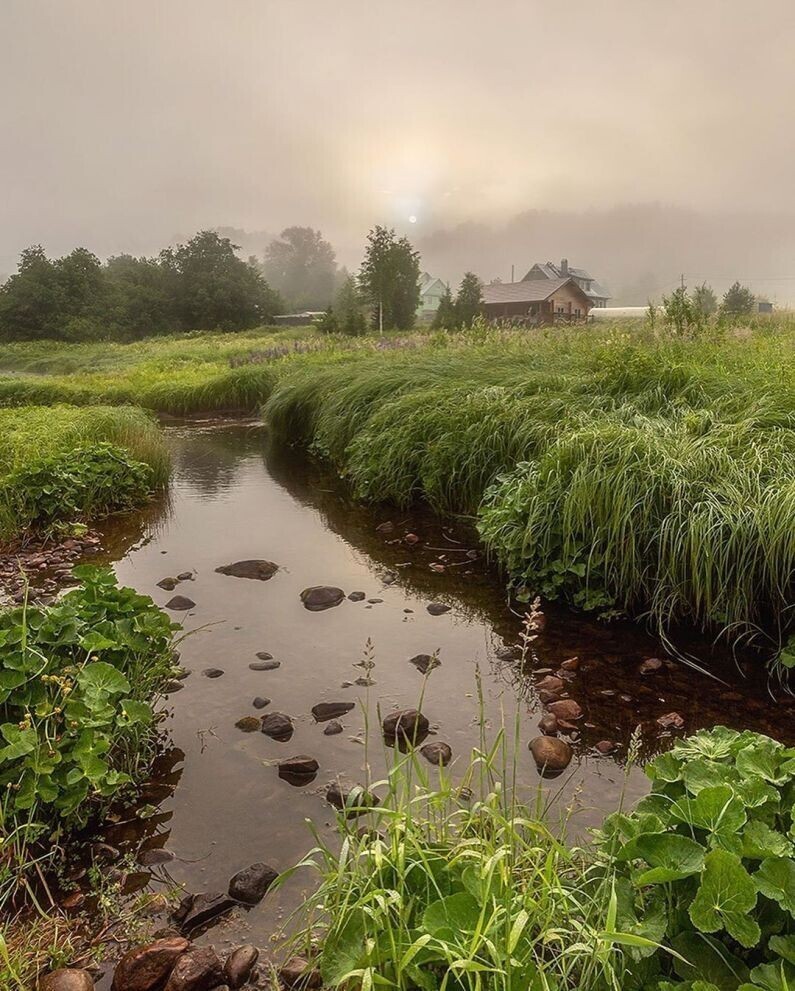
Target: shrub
[
  {"x": 76, "y": 686},
  {"x": 706, "y": 864}
]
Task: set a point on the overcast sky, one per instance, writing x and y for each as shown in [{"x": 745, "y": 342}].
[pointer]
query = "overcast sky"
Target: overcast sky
[{"x": 127, "y": 122}]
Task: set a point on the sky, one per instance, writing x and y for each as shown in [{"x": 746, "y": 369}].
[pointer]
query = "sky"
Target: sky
[{"x": 128, "y": 123}]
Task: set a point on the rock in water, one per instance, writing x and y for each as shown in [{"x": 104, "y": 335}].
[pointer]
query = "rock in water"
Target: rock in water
[
  {"x": 357, "y": 596},
  {"x": 437, "y": 608},
  {"x": 650, "y": 665},
  {"x": 548, "y": 724},
  {"x": 180, "y": 603},
  {"x": 146, "y": 967},
  {"x": 250, "y": 884},
  {"x": 198, "y": 969},
  {"x": 298, "y": 973},
  {"x": 248, "y": 724},
  {"x": 257, "y": 570},
  {"x": 196, "y": 910},
  {"x": 67, "y": 979},
  {"x": 299, "y": 770},
  {"x": 551, "y": 754},
  {"x": 260, "y": 702},
  {"x": 277, "y": 726},
  {"x": 408, "y": 725},
  {"x": 550, "y": 683},
  {"x": 169, "y": 584},
  {"x": 333, "y": 728},
  {"x": 437, "y": 753},
  {"x": 424, "y": 662},
  {"x": 671, "y": 720},
  {"x": 566, "y": 709},
  {"x": 265, "y": 665},
  {"x": 324, "y": 711},
  {"x": 320, "y": 597},
  {"x": 239, "y": 965},
  {"x": 212, "y": 672}
]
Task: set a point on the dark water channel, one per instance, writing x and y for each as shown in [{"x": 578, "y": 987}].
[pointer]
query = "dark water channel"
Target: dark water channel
[{"x": 221, "y": 803}]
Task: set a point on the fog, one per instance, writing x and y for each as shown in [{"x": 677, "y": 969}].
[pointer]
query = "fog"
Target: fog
[{"x": 639, "y": 139}]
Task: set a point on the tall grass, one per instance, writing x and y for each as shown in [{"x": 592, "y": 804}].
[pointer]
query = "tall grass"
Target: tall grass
[{"x": 615, "y": 469}]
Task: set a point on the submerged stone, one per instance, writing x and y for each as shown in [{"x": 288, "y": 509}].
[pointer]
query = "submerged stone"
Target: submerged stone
[
  {"x": 552, "y": 755},
  {"x": 180, "y": 603},
  {"x": 248, "y": 724},
  {"x": 146, "y": 967},
  {"x": 437, "y": 753},
  {"x": 425, "y": 662},
  {"x": 278, "y": 726},
  {"x": 250, "y": 884},
  {"x": 437, "y": 608},
  {"x": 320, "y": 597},
  {"x": 324, "y": 711},
  {"x": 257, "y": 570}
]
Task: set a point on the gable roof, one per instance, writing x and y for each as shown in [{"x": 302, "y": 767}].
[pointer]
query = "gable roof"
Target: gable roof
[
  {"x": 549, "y": 270},
  {"x": 527, "y": 291},
  {"x": 431, "y": 284}
]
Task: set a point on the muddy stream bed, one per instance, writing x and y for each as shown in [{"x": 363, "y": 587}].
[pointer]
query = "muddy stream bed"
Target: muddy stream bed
[{"x": 220, "y": 803}]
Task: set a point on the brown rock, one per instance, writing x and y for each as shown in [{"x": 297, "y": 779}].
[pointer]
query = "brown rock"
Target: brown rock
[
  {"x": 650, "y": 665},
  {"x": 299, "y": 973},
  {"x": 320, "y": 597},
  {"x": 425, "y": 662},
  {"x": 550, "y": 754},
  {"x": 386, "y": 527},
  {"x": 268, "y": 664},
  {"x": 180, "y": 603},
  {"x": 407, "y": 724},
  {"x": 546, "y": 697},
  {"x": 333, "y": 728},
  {"x": 671, "y": 720},
  {"x": 256, "y": 570},
  {"x": 411, "y": 539},
  {"x": 324, "y": 711},
  {"x": 566, "y": 709},
  {"x": 248, "y": 724},
  {"x": 548, "y": 724},
  {"x": 239, "y": 964},
  {"x": 146, "y": 967},
  {"x": 196, "y": 910},
  {"x": 277, "y": 726},
  {"x": 357, "y": 596},
  {"x": 250, "y": 884},
  {"x": 299, "y": 766},
  {"x": 437, "y": 608},
  {"x": 67, "y": 979},
  {"x": 550, "y": 683},
  {"x": 607, "y": 746},
  {"x": 169, "y": 584},
  {"x": 198, "y": 969},
  {"x": 437, "y": 753},
  {"x": 571, "y": 664}
]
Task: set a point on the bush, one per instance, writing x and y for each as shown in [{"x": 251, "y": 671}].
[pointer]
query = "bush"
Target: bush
[
  {"x": 76, "y": 686},
  {"x": 706, "y": 864}
]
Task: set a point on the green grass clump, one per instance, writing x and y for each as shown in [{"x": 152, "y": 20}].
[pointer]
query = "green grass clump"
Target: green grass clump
[
  {"x": 609, "y": 467},
  {"x": 61, "y": 464}
]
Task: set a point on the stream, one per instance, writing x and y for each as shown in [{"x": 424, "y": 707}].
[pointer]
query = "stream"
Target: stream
[{"x": 219, "y": 803}]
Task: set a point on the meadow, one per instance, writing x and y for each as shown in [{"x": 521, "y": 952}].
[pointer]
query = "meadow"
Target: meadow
[{"x": 619, "y": 467}]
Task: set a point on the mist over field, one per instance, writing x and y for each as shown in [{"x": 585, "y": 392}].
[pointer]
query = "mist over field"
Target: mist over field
[{"x": 640, "y": 140}]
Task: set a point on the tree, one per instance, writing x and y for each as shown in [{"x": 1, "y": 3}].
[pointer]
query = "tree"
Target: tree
[
  {"x": 302, "y": 267},
  {"x": 138, "y": 301},
  {"x": 212, "y": 287},
  {"x": 738, "y": 301},
  {"x": 469, "y": 301},
  {"x": 389, "y": 279},
  {"x": 704, "y": 300},
  {"x": 445, "y": 316},
  {"x": 679, "y": 311},
  {"x": 347, "y": 309},
  {"x": 30, "y": 299}
]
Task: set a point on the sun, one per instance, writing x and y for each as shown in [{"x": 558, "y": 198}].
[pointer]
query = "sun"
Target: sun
[{"x": 412, "y": 219}]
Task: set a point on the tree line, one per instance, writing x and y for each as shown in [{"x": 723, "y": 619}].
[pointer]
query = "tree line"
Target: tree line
[{"x": 204, "y": 284}]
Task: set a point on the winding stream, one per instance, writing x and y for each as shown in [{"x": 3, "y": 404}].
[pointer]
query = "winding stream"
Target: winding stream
[{"x": 220, "y": 802}]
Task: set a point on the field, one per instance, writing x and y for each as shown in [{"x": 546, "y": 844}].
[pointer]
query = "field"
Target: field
[{"x": 612, "y": 466}]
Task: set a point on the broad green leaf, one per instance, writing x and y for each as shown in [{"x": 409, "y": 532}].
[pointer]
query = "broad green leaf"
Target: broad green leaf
[
  {"x": 708, "y": 960},
  {"x": 784, "y": 946},
  {"x": 714, "y": 744},
  {"x": 760, "y": 841},
  {"x": 343, "y": 949},
  {"x": 715, "y": 809},
  {"x": 99, "y": 676},
  {"x": 136, "y": 712},
  {"x": 459, "y": 913},
  {"x": 671, "y": 857},
  {"x": 20, "y": 742},
  {"x": 776, "y": 879},
  {"x": 725, "y": 898},
  {"x": 95, "y": 641},
  {"x": 778, "y": 976},
  {"x": 762, "y": 759}
]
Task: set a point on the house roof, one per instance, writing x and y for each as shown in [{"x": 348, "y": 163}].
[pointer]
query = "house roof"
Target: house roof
[
  {"x": 552, "y": 271},
  {"x": 431, "y": 283},
  {"x": 526, "y": 291}
]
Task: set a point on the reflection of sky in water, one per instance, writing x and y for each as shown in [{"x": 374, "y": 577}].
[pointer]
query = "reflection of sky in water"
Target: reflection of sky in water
[{"x": 229, "y": 502}]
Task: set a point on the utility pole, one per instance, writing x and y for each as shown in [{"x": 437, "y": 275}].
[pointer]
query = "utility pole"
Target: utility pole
[
  {"x": 682, "y": 281},
  {"x": 511, "y": 273},
  {"x": 380, "y": 316}
]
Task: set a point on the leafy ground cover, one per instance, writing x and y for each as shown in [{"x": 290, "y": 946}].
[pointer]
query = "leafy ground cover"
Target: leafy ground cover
[
  {"x": 62, "y": 464},
  {"x": 452, "y": 886},
  {"x": 76, "y": 686}
]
